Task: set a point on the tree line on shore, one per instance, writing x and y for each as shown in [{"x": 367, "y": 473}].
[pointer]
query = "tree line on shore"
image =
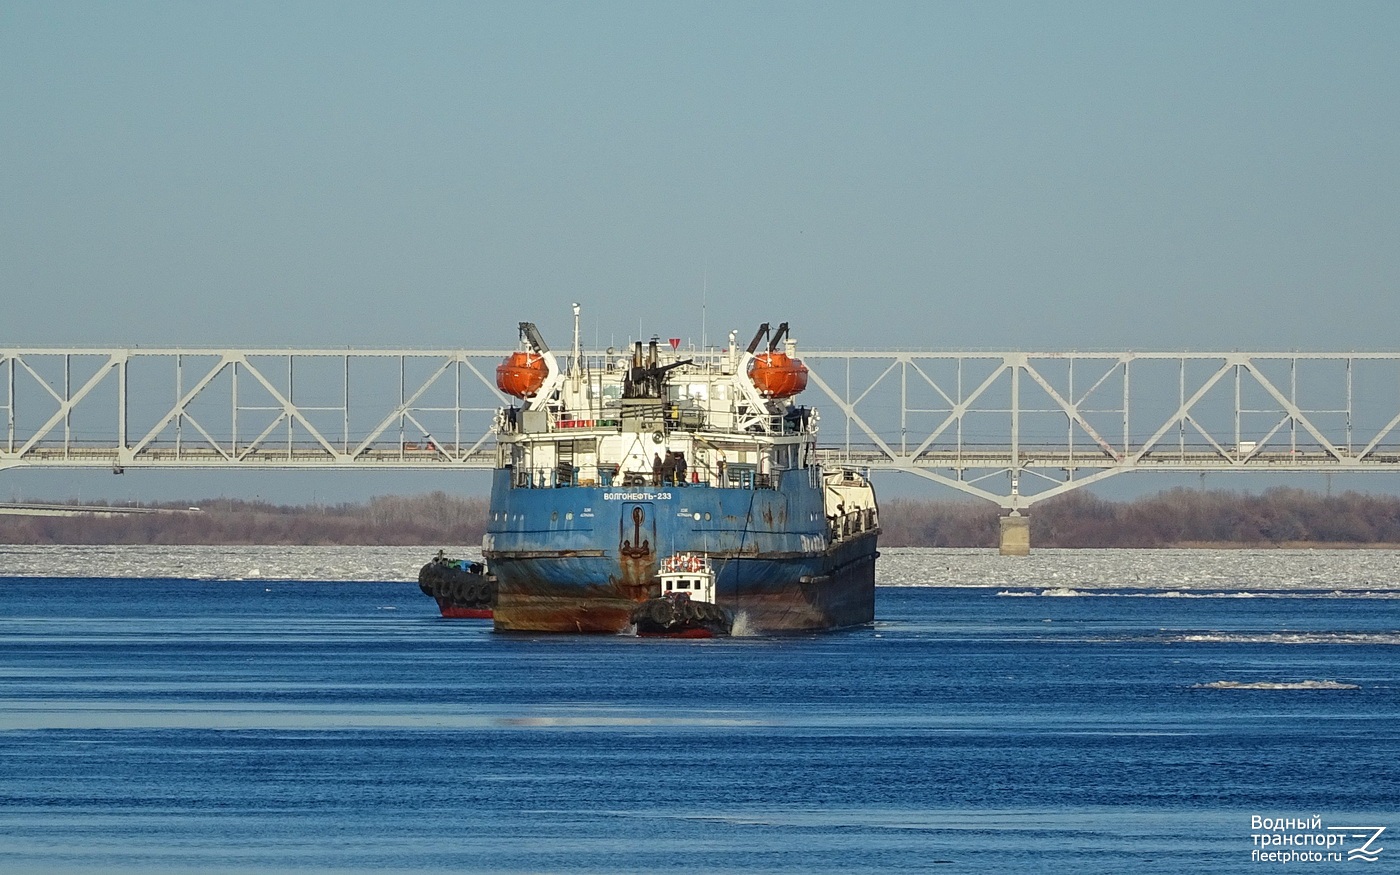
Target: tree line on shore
[
  {"x": 1179, "y": 517},
  {"x": 435, "y": 518}
]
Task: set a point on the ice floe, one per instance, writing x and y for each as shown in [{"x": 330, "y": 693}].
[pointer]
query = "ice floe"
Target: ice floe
[
  {"x": 1045, "y": 573},
  {"x": 222, "y": 563},
  {"x": 1276, "y": 685},
  {"x": 1183, "y": 573}
]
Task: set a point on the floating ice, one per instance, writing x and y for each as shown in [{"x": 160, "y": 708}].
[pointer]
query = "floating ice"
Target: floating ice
[
  {"x": 1169, "y": 573},
  {"x": 1193, "y": 573},
  {"x": 1351, "y": 638},
  {"x": 1273, "y": 685},
  {"x": 221, "y": 563}
]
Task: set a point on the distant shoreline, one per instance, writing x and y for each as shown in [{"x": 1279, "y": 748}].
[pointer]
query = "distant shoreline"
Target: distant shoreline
[{"x": 1278, "y": 519}]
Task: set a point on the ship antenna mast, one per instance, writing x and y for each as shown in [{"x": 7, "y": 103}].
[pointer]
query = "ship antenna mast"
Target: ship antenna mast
[{"x": 575, "y": 367}]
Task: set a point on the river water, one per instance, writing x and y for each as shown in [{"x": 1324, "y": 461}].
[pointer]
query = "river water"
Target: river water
[{"x": 275, "y": 709}]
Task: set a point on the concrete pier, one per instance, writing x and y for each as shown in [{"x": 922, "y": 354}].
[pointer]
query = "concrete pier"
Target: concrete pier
[{"x": 1015, "y": 535}]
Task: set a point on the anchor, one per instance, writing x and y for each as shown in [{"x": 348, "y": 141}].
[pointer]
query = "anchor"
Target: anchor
[{"x": 631, "y": 552}]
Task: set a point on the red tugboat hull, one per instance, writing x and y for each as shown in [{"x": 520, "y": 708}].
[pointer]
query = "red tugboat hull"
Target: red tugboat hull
[
  {"x": 452, "y": 612},
  {"x": 686, "y": 633}
]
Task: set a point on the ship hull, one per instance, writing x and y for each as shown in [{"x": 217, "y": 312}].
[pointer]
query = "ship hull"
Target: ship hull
[
  {"x": 461, "y": 588},
  {"x": 581, "y": 559}
]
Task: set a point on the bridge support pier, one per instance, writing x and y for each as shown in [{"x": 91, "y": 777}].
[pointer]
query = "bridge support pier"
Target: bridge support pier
[{"x": 1015, "y": 535}]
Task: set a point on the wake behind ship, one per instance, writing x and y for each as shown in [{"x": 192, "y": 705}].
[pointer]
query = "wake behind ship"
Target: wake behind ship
[{"x": 619, "y": 463}]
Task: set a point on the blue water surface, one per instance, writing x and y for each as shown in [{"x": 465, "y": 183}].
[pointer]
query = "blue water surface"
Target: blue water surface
[{"x": 172, "y": 725}]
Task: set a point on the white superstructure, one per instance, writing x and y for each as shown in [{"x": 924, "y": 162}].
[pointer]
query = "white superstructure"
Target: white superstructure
[{"x": 656, "y": 416}]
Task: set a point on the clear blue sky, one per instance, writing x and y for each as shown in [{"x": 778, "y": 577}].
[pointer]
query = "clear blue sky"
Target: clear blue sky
[
  {"x": 979, "y": 175},
  {"x": 1055, "y": 176}
]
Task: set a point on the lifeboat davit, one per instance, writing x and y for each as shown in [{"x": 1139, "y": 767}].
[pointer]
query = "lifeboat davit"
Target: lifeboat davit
[
  {"x": 777, "y": 374},
  {"x": 522, "y": 374}
]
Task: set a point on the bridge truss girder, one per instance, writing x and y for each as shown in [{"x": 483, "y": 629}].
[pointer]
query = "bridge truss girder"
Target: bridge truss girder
[
  {"x": 237, "y": 408},
  {"x": 1017, "y": 428},
  {"x": 1014, "y": 428}
]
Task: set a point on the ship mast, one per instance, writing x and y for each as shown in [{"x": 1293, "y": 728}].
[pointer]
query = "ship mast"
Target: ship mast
[{"x": 575, "y": 366}]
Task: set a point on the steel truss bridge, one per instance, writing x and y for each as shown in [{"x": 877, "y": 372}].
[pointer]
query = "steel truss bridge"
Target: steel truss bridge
[{"x": 1014, "y": 428}]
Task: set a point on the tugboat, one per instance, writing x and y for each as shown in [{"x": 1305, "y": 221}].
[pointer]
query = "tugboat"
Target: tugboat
[
  {"x": 463, "y": 589},
  {"x": 608, "y": 464},
  {"x": 686, "y": 607}
]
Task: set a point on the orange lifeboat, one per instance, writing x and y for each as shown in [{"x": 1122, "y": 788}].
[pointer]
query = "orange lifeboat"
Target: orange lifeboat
[
  {"x": 778, "y": 375},
  {"x": 521, "y": 375}
]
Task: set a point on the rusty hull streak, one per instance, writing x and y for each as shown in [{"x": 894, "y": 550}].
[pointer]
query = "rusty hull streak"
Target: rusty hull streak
[
  {"x": 542, "y": 613},
  {"x": 599, "y": 609},
  {"x": 637, "y": 565}
]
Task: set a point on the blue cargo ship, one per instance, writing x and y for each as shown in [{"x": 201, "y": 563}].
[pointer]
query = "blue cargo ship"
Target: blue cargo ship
[{"x": 613, "y": 465}]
